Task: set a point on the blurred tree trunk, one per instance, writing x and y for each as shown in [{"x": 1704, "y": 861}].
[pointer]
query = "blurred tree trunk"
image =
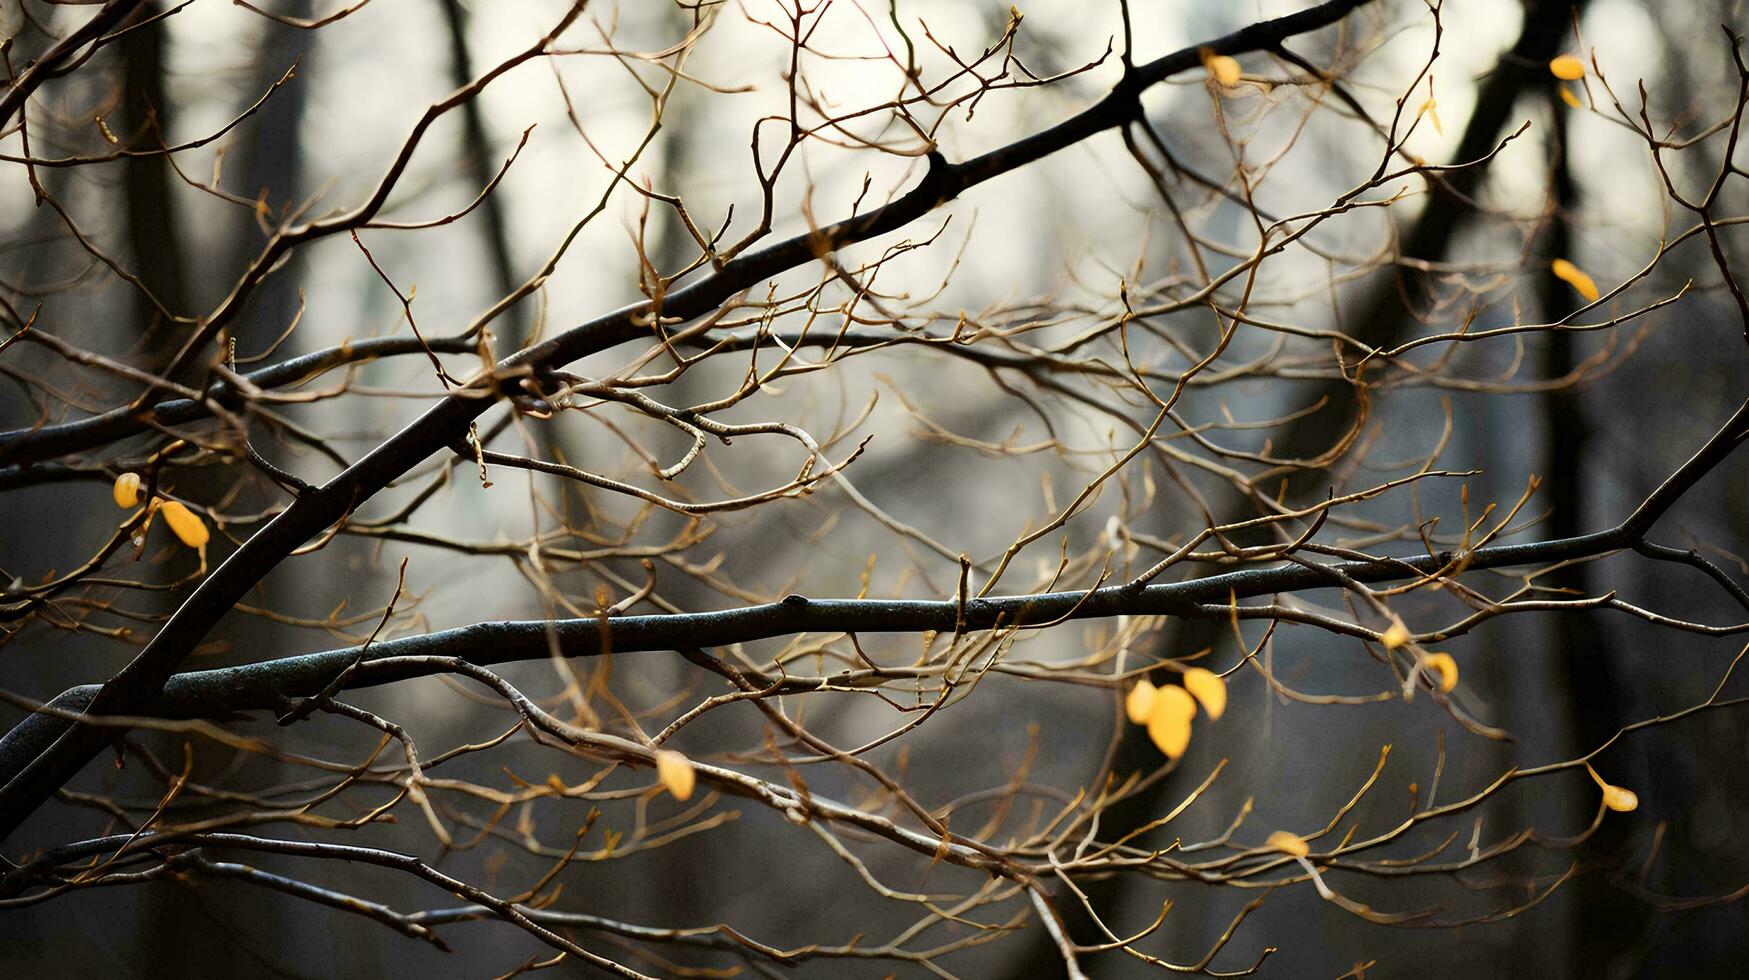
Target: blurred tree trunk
[
  {"x": 271, "y": 164},
  {"x": 153, "y": 226},
  {"x": 1586, "y": 678},
  {"x": 481, "y": 167}
]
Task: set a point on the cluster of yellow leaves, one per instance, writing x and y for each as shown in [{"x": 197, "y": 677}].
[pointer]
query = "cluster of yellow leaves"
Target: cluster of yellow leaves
[
  {"x": 1615, "y": 797},
  {"x": 675, "y": 772},
  {"x": 1167, "y": 711},
  {"x": 184, "y": 523},
  {"x": 1568, "y": 68},
  {"x": 1396, "y": 635}
]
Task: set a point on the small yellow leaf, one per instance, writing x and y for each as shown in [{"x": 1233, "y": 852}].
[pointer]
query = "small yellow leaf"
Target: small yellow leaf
[
  {"x": 1224, "y": 70},
  {"x": 127, "y": 490},
  {"x": 1443, "y": 665},
  {"x": 1430, "y": 109},
  {"x": 1573, "y": 276},
  {"x": 1615, "y": 797},
  {"x": 1395, "y": 636},
  {"x": 1208, "y": 689},
  {"x": 1290, "y": 844},
  {"x": 1139, "y": 702},
  {"x": 1567, "y": 68},
  {"x": 1169, "y": 720},
  {"x": 1572, "y": 100},
  {"x": 675, "y": 772},
  {"x": 184, "y": 524}
]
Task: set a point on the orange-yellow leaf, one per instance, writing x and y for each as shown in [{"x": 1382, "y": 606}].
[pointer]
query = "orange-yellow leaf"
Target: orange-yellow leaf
[
  {"x": 1169, "y": 720},
  {"x": 1224, "y": 70},
  {"x": 1573, "y": 276},
  {"x": 1567, "y": 68},
  {"x": 187, "y": 527},
  {"x": 1139, "y": 702},
  {"x": 1208, "y": 689},
  {"x": 1572, "y": 100},
  {"x": 127, "y": 490},
  {"x": 1395, "y": 636},
  {"x": 1615, "y": 797},
  {"x": 675, "y": 772},
  {"x": 1290, "y": 844},
  {"x": 1443, "y": 665},
  {"x": 1620, "y": 800}
]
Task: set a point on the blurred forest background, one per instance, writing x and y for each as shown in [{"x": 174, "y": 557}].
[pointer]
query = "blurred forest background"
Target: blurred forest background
[{"x": 1050, "y": 239}]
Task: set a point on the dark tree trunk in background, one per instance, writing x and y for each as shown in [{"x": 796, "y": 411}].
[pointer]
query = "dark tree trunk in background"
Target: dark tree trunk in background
[
  {"x": 1607, "y": 921},
  {"x": 152, "y": 221},
  {"x": 271, "y": 169},
  {"x": 477, "y": 156},
  {"x": 1387, "y": 314}
]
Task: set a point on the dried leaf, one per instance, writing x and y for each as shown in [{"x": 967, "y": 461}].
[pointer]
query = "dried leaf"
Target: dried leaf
[
  {"x": 1290, "y": 844},
  {"x": 1573, "y": 276},
  {"x": 1169, "y": 720},
  {"x": 1430, "y": 109},
  {"x": 1209, "y": 690},
  {"x": 1567, "y": 68},
  {"x": 127, "y": 490},
  {"x": 1139, "y": 702},
  {"x": 1395, "y": 636},
  {"x": 187, "y": 527},
  {"x": 675, "y": 772},
  {"x": 1615, "y": 797},
  {"x": 1443, "y": 665},
  {"x": 1620, "y": 800},
  {"x": 1224, "y": 70}
]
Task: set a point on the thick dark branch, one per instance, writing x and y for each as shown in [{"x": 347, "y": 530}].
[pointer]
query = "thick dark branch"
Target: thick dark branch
[
  {"x": 50, "y": 64},
  {"x": 266, "y": 685},
  {"x": 23, "y": 447}
]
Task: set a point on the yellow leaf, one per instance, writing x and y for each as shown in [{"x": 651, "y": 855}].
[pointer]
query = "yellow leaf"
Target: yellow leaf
[
  {"x": 1443, "y": 665},
  {"x": 1169, "y": 720},
  {"x": 1289, "y": 844},
  {"x": 1620, "y": 800},
  {"x": 1573, "y": 276},
  {"x": 1430, "y": 109},
  {"x": 675, "y": 772},
  {"x": 184, "y": 524},
  {"x": 127, "y": 490},
  {"x": 1568, "y": 97},
  {"x": 1567, "y": 68},
  {"x": 1139, "y": 701},
  {"x": 1224, "y": 70},
  {"x": 1615, "y": 797},
  {"x": 1208, "y": 689},
  {"x": 1395, "y": 636}
]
